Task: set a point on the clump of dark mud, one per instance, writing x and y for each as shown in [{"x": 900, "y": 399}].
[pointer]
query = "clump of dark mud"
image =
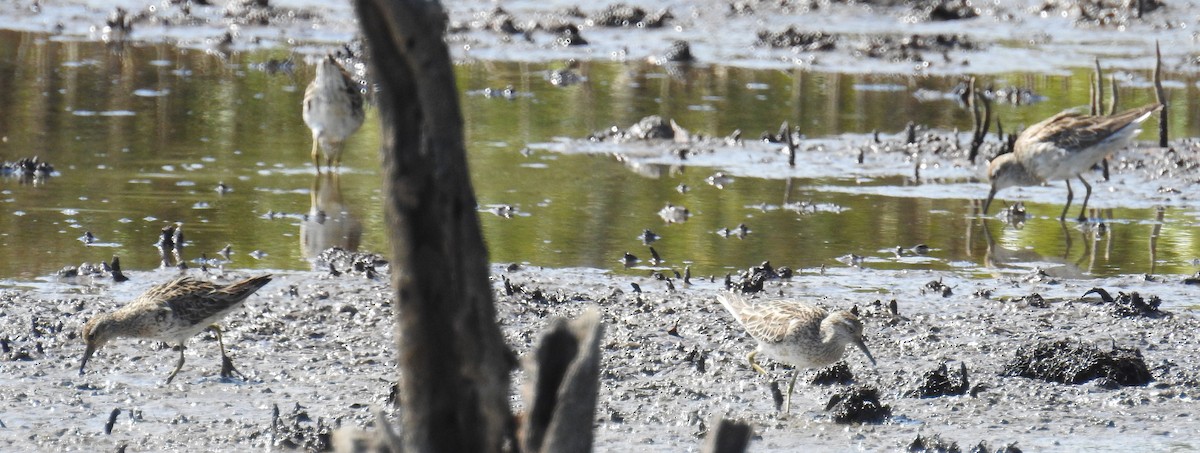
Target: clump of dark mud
[
  {"x": 94, "y": 271},
  {"x": 622, "y": 15},
  {"x": 811, "y": 41},
  {"x": 752, "y": 280},
  {"x": 858, "y": 405},
  {"x": 679, "y": 52},
  {"x": 1071, "y": 362},
  {"x": 27, "y": 167},
  {"x": 941, "y": 382},
  {"x": 933, "y": 443},
  {"x": 1103, "y": 13},
  {"x": 838, "y": 373},
  {"x": 1131, "y": 305},
  {"x": 339, "y": 261},
  {"x": 982, "y": 447},
  {"x": 540, "y": 296},
  {"x": 946, "y": 10},
  {"x": 937, "y": 287},
  {"x": 649, "y": 128},
  {"x": 909, "y": 48}
]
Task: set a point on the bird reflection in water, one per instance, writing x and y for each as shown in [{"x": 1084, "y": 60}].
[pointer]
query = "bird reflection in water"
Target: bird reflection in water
[{"x": 329, "y": 223}]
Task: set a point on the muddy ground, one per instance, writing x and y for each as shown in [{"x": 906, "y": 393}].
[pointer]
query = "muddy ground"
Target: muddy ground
[
  {"x": 316, "y": 347},
  {"x": 871, "y": 36},
  {"x": 673, "y": 361}
]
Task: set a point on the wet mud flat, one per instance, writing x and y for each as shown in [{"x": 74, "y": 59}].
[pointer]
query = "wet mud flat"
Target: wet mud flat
[
  {"x": 316, "y": 349},
  {"x": 887, "y": 36},
  {"x": 921, "y": 161}
]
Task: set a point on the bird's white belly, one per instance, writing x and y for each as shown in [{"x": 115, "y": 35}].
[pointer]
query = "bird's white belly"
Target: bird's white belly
[{"x": 1051, "y": 163}]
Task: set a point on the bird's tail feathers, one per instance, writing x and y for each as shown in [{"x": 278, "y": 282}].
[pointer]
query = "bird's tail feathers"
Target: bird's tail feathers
[{"x": 733, "y": 303}]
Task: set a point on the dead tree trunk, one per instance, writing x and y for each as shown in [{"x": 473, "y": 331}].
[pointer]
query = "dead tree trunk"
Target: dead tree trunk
[
  {"x": 728, "y": 437},
  {"x": 562, "y": 391},
  {"x": 453, "y": 361}
]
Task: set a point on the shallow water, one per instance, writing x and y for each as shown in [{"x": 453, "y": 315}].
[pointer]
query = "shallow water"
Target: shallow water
[{"x": 141, "y": 139}]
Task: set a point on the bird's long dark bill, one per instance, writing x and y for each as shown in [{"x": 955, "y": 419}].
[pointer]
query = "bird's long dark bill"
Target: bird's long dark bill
[
  {"x": 86, "y": 355},
  {"x": 863, "y": 346},
  {"x": 988, "y": 203}
]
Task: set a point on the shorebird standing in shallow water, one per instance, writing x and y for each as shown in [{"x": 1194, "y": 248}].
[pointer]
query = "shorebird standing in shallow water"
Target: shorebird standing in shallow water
[
  {"x": 333, "y": 109},
  {"x": 796, "y": 333},
  {"x": 1064, "y": 146},
  {"x": 172, "y": 312}
]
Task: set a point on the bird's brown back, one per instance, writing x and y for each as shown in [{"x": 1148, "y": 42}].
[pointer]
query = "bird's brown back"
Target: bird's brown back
[{"x": 1069, "y": 129}]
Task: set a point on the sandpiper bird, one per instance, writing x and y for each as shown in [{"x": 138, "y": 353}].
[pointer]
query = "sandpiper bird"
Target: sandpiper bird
[
  {"x": 333, "y": 109},
  {"x": 796, "y": 333},
  {"x": 1064, "y": 146},
  {"x": 171, "y": 312}
]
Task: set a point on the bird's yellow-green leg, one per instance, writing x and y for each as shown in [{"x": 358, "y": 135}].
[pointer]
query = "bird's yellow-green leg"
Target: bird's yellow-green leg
[
  {"x": 754, "y": 364},
  {"x": 178, "y": 365},
  {"x": 787, "y": 400},
  {"x": 316, "y": 153}
]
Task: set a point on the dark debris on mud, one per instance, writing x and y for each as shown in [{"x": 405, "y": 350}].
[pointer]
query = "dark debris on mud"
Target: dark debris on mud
[
  {"x": 564, "y": 26},
  {"x": 297, "y": 430},
  {"x": 908, "y": 48},
  {"x": 623, "y": 15},
  {"x": 1103, "y": 13},
  {"x": 941, "y": 382},
  {"x": 1131, "y": 305},
  {"x": 652, "y": 127},
  {"x": 858, "y": 405},
  {"x": 935, "y": 444},
  {"x": 339, "y": 261},
  {"x": 752, "y": 280},
  {"x": 1073, "y": 362},
  {"x": 27, "y": 168}
]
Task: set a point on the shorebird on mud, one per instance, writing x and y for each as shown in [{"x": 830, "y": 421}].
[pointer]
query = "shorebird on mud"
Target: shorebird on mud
[
  {"x": 796, "y": 333},
  {"x": 172, "y": 312},
  {"x": 1062, "y": 147}
]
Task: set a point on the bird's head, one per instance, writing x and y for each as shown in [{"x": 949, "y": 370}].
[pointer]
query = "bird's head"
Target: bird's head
[
  {"x": 1006, "y": 171},
  {"x": 847, "y": 325},
  {"x": 96, "y": 333}
]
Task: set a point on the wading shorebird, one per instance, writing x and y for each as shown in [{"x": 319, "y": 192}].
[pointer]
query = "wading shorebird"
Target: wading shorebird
[
  {"x": 172, "y": 312},
  {"x": 1064, "y": 146},
  {"x": 796, "y": 333},
  {"x": 333, "y": 109}
]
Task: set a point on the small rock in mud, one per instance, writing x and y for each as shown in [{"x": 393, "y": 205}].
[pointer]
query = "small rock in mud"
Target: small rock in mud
[
  {"x": 1071, "y": 362},
  {"x": 858, "y": 405},
  {"x": 933, "y": 443},
  {"x": 940, "y": 382},
  {"x": 838, "y": 373},
  {"x": 674, "y": 214},
  {"x": 1130, "y": 305}
]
